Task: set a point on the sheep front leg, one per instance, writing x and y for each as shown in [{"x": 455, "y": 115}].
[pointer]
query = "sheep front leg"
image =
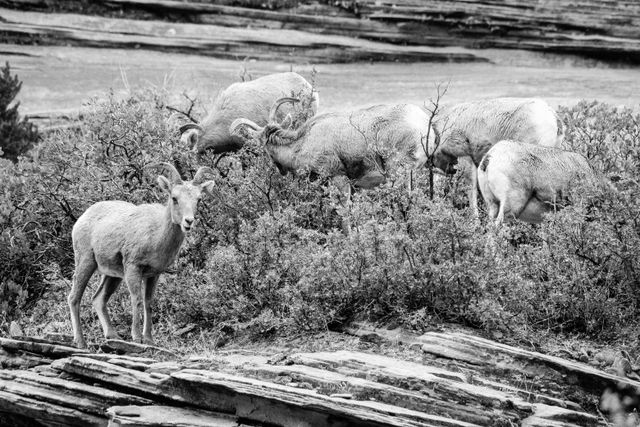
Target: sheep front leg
[
  {"x": 150, "y": 285},
  {"x": 473, "y": 191},
  {"x": 344, "y": 188},
  {"x": 133, "y": 277}
]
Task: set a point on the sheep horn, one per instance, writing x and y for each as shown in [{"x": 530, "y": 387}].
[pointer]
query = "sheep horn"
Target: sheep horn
[
  {"x": 237, "y": 123},
  {"x": 276, "y": 105},
  {"x": 188, "y": 126},
  {"x": 202, "y": 172},
  {"x": 168, "y": 167}
]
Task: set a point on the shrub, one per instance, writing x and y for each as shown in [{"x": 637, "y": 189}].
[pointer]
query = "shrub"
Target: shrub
[
  {"x": 16, "y": 136},
  {"x": 268, "y": 252}
]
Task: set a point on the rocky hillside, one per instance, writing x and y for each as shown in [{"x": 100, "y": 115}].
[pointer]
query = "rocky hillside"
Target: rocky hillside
[
  {"x": 454, "y": 380},
  {"x": 334, "y": 31}
]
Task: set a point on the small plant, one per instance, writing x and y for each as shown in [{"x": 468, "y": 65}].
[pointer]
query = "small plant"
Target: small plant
[{"x": 16, "y": 136}]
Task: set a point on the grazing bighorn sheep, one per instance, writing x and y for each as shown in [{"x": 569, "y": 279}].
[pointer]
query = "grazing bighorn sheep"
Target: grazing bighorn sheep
[
  {"x": 526, "y": 180},
  {"x": 134, "y": 243},
  {"x": 361, "y": 145},
  {"x": 250, "y": 100},
  {"x": 470, "y": 129}
]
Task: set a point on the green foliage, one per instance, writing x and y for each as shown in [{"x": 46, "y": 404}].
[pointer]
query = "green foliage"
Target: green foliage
[
  {"x": 16, "y": 136},
  {"x": 268, "y": 252}
]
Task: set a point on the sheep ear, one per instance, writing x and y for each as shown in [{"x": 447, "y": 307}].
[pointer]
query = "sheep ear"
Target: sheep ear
[
  {"x": 164, "y": 184},
  {"x": 207, "y": 186}
]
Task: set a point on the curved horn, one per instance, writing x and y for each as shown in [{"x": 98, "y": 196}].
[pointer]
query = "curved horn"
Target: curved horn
[
  {"x": 237, "y": 123},
  {"x": 188, "y": 126},
  {"x": 276, "y": 105},
  {"x": 174, "y": 175},
  {"x": 202, "y": 172}
]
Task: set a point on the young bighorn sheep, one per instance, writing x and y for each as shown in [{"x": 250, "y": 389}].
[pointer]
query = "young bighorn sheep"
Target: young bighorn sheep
[
  {"x": 134, "y": 243},
  {"x": 361, "y": 145},
  {"x": 470, "y": 129},
  {"x": 250, "y": 100},
  {"x": 524, "y": 181}
]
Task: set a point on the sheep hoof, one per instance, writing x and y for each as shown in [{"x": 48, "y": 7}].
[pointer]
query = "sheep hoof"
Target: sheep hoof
[{"x": 148, "y": 341}]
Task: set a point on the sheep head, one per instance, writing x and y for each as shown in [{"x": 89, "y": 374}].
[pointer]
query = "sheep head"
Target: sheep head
[
  {"x": 448, "y": 148},
  {"x": 189, "y": 135},
  {"x": 183, "y": 196},
  {"x": 248, "y": 130},
  {"x": 276, "y": 105}
]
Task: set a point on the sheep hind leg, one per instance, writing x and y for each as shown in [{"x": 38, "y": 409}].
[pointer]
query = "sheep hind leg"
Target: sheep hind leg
[
  {"x": 85, "y": 267},
  {"x": 494, "y": 208},
  {"x": 514, "y": 203},
  {"x": 150, "y": 285},
  {"x": 133, "y": 278},
  {"x": 107, "y": 288},
  {"x": 471, "y": 172},
  {"x": 473, "y": 198}
]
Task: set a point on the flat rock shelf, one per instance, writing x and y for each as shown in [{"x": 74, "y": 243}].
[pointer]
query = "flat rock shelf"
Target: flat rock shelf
[
  {"x": 296, "y": 46},
  {"x": 426, "y": 30},
  {"x": 453, "y": 380}
]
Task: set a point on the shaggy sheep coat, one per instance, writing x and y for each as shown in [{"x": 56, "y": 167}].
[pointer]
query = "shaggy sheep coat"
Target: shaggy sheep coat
[
  {"x": 250, "y": 100},
  {"x": 525, "y": 181},
  {"x": 136, "y": 244},
  {"x": 469, "y": 130},
  {"x": 362, "y": 145}
]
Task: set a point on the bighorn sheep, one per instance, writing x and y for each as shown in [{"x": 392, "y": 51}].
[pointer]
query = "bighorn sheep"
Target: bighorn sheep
[
  {"x": 470, "y": 129},
  {"x": 525, "y": 180},
  {"x": 250, "y": 100},
  {"x": 361, "y": 145},
  {"x": 134, "y": 243}
]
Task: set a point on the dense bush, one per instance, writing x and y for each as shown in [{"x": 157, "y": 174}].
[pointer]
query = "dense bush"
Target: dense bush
[
  {"x": 16, "y": 136},
  {"x": 268, "y": 253}
]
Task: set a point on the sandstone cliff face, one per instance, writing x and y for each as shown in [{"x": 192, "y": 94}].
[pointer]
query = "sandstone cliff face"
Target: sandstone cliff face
[{"x": 344, "y": 31}]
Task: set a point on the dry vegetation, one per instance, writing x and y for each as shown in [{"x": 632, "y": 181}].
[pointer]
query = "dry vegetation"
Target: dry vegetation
[{"x": 268, "y": 256}]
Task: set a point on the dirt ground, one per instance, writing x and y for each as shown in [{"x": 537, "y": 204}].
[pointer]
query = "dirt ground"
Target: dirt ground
[{"x": 62, "y": 78}]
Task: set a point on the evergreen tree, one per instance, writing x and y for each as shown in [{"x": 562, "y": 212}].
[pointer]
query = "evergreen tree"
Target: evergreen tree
[{"x": 16, "y": 136}]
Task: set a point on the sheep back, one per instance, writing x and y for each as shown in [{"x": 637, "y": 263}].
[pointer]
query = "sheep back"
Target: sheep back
[
  {"x": 484, "y": 123},
  {"x": 116, "y": 233},
  {"x": 386, "y": 132},
  {"x": 251, "y": 100}
]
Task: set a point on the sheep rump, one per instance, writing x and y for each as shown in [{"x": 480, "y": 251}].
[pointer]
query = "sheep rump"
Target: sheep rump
[{"x": 525, "y": 181}]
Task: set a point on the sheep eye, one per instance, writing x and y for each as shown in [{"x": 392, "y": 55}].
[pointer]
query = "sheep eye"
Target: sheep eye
[{"x": 175, "y": 200}]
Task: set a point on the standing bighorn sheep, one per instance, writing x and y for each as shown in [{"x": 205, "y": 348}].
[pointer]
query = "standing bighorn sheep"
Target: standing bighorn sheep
[
  {"x": 526, "y": 180},
  {"x": 134, "y": 243},
  {"x": 362, "y": 145},
  {"x": 470, "y": 129},
  {"x": 250, "y": 100}
]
